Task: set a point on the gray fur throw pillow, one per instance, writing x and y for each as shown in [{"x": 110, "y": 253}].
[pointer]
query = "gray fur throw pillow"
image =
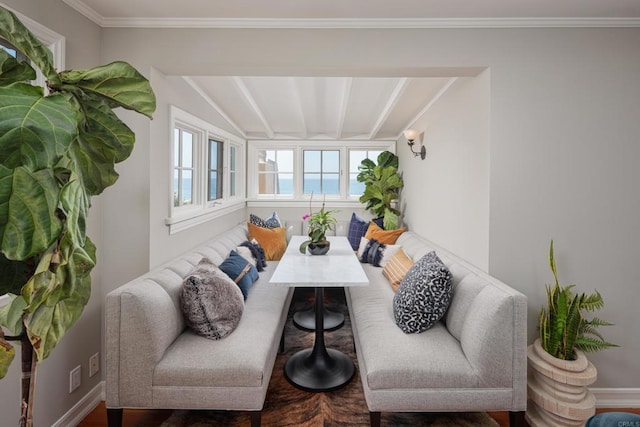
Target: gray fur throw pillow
[{"x": 212, "y": 304}]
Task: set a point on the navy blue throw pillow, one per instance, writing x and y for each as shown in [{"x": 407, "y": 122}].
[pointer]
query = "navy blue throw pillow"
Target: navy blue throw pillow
[
  {"x": 240, "y": 271},
  {"x": 357, "y": 229}
]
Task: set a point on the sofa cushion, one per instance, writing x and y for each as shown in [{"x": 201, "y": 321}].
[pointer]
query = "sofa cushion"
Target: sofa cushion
[
  {"x": 375, "y": 253},
  {"x": 397, "y": 268},
  {"x": 383, "y": 236},
  {"x": 211, "y": 302},
  {"x": 272, "y": 222},
  {"x": 424, "y": 295},
  {"x": 241, "y": 271},
  {"x": 272, "y": 240}
]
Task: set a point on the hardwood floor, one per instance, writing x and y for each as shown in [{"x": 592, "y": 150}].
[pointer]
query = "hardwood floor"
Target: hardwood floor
[{"x": 153, "y": 418}]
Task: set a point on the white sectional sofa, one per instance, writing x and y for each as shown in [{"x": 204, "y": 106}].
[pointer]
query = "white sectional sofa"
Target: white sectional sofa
[
  {"x": 154, "y": 361},
  {"x": 474, "y": 359}
]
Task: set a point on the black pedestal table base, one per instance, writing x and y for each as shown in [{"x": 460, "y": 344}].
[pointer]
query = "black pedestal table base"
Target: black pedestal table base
[
  {"x": 319, "y": 368},
  {"x": 306, "y": 319}
]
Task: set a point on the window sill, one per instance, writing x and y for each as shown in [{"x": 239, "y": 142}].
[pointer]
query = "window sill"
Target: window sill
[
  {"x": 291, "y": 203},
  {"x": 196, "y": 217}
]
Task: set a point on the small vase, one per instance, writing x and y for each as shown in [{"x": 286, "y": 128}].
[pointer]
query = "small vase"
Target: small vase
[{"x": 319, "y": 248}]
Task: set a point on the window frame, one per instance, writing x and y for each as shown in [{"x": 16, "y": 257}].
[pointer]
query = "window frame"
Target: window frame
[
  {"x": 201, "y": 209},
  {"x": 298, "y": 198}
]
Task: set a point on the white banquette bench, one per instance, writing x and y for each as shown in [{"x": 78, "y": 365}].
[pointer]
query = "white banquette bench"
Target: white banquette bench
[{"x": 474, "y": 359}]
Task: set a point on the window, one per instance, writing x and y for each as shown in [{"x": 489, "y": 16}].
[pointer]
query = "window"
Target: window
[
  {"x": 321, "y": 172},
  {"x": 183, "y": 167},
  {"x": 215, "y": 169},
  {"x": 11, "y": 50},
  {"x": 207, "y": 172},
  {"x": 275, "y": 172},
  {"x": 292, "y": 170},
  {"x": 355, "y": 158}
]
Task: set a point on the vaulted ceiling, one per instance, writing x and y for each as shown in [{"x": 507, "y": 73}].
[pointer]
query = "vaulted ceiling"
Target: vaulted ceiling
[{"x": 338, "y": 108}]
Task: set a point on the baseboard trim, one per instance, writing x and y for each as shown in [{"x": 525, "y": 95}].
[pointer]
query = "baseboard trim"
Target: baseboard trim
[
  {"x": 80, "y": 410},
  {"x": 617, "y": 397}
]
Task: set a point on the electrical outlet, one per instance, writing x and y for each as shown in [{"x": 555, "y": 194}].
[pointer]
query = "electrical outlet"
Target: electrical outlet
[
  {"x": 94, "y": 364},
  {"x": 75, "y": 378}
]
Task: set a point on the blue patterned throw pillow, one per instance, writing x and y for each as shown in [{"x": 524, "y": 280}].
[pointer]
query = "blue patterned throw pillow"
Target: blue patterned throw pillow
[
  {"x": 358, "y": 228},
  {"x": 424, "y": 295},
  {"x": 272, "y": 222}
]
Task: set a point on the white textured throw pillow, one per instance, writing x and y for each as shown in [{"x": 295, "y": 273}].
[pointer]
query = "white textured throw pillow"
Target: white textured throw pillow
[{"x": 212, "y": 304}]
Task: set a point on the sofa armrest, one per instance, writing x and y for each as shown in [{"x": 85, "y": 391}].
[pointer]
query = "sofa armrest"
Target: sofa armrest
[
  {"x": 141, "y": 322},
  {"x": 494, "y": 340}
]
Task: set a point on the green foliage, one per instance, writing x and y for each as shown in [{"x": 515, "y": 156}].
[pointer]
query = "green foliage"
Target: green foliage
[
  {"x": 319, "y": 224},
  {"x": 56, "y": 151},
  {"x": 563, "y": 327},
  {"x": 382, "y": 187}
]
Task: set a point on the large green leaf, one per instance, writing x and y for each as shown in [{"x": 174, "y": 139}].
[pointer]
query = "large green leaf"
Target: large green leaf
[
  {"x": 104, "y": 141},
  {"x": 75, "y": 204},
  {"x": 12, "y": 71},
  {"x": 7, "y": 353},
  {"x": 48, "y": 323},
  {"x": 30, "y": 223},
  {"x": 118, "y": 82},
  {"x": 35, "y": 130},
  {"x": 11, "y": 314},
  {"x": 14, "y": 31}
]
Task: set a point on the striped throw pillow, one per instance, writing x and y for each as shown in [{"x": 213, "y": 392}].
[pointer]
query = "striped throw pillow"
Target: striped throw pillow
[{"x": 397, "y": 268}]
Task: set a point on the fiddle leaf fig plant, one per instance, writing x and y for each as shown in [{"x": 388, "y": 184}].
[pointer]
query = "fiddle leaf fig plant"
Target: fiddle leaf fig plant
[
  {"x": 58, "y": 148},
  {"x": 382, "y": 185}
]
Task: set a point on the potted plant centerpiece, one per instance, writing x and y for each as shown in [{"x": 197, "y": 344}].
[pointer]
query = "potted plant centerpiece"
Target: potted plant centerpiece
[
  {"x": 319, "y": 224},
  {"x": 559, "y": 371},
  {"x": 382, "y": 185}
]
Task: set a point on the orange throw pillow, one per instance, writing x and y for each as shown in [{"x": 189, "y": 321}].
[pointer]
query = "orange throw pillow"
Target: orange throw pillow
[
  {"x": 272, "y": 240},
  {"x": 396, "y": 268},
  {"x": 388, "y": 237}
]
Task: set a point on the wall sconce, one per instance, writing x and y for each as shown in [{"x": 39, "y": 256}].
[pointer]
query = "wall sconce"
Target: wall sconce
[{"x": 411, "y": 135}]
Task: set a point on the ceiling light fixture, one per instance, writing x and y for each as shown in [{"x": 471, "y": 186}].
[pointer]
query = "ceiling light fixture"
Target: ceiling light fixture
[{"x": 411, "y": 135}]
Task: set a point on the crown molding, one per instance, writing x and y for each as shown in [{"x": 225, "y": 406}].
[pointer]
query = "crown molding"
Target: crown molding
[
  {"x": 85, "y": 10},
  {"x": 382, "y": 23},
  {"x": 364, "y": 23}
]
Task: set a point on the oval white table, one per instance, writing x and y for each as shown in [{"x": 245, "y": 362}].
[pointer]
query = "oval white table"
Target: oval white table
[{"x": 319, "y": 368}]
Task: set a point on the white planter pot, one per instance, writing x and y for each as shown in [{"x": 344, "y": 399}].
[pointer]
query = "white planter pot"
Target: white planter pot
[{"x": 557, "y": 389}]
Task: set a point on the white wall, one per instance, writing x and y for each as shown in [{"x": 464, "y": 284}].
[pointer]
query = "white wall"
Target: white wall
[
  {"x": 446, "y": 196},
  {"x": 563, "y": 125},
  {"x": 52, "y": 399}
]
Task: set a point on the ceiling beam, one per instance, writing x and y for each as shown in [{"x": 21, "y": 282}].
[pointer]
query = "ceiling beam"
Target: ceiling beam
[
  {"x": 391, "y": 102},
  {"x": 344, "y": 104},
  {"x": 254, "y": 105},
  {"x": 215, "y": 106},
  {"x": 298, "y": 99}
]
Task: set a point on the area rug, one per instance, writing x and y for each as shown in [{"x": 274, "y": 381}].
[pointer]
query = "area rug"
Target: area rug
[{"x": 288, "y": 406}]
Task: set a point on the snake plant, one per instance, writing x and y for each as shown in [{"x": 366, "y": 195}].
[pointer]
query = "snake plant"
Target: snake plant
[{"x": 563, "y": 327}]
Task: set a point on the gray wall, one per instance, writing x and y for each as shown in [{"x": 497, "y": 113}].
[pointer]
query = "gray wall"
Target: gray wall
[
  {"x": 563, "y": 119},
  {"x": 52, "y": 399},
  {"x": 559, "y": 163}
]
